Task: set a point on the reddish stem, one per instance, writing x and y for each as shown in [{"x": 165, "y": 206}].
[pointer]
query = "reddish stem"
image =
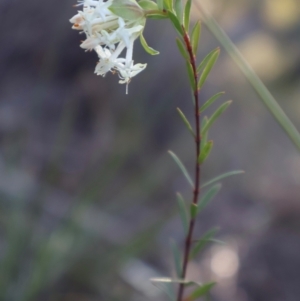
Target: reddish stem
[{"x": 188, "y": 240}]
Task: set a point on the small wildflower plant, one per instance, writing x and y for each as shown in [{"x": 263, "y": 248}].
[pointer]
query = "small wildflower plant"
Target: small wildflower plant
[{"x": 112, "y": 26}]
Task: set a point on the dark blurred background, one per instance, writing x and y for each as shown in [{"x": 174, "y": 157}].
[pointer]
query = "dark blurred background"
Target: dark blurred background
[{"x": 87, "y": 189}]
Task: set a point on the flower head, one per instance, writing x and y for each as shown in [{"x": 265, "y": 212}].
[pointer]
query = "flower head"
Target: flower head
[{"x": 110, "y": 27}]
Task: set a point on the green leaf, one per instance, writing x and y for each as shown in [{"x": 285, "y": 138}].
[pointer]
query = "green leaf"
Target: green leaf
[
  {"x": 182, "y": 167},
  {"x": 191, "y": 75},
  {"x": 178, "y": 9},
  {"x": 146, "y": 47},
  {"x": 206, "y": 59},
  {"x": 170, "y": 280},
  {"x": 186, "y": 15},
  {"x": 222, "y": 176},
  {"x": 211, "y": 62},
  {"x": 208, "y": 196},
  {"x": 182, "y": 49},
  {"x": 126, "y": 9},
  {"x": 148, "y": 5},
  {"x": 186, "y": 122},
  {"x": 201, "y": 243},
  {"x": 215, "y": 115},
  {"x": 192, "y": 283},
  {"x": 175, "y": 23},
  {"x": 193, "y": 210},
  {"x": 195, "y": 37},
  {"x": 217, "y": 241},
  {"x": 160, "y": 4},
  {"x": 156, "y": 16},
  {"x": 176, "y": 257},
  {"x": 264, "y": 94},
  {"x": 166, "y": 287},
  {"x": 168, "y": 4},
  {"x": 205, "y": 151},
  {"x": 211, "y": 101},
  {"x": 183, "y": 212},
  {"x": 200, "y": 291},
  {"x": 205, "y": 135}
]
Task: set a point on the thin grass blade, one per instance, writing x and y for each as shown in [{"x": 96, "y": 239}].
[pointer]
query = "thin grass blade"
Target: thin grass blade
[{"x": 264, "y": 94}]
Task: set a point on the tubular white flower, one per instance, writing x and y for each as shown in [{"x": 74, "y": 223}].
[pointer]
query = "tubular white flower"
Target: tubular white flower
[{"x": 109, "y": 34}]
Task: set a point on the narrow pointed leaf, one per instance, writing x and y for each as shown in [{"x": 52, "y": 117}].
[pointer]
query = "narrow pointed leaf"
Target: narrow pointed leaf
[
  {"x": 191, "y": 75},
  {"x": 205, "y": 151},
  {"x": 148, "y": 5},
  {"x": 176, "y": 23},
  {"x": 178, "y": 9},
  {"x": 215, "y": 115},
  {"x": 182, "y": 49},
  {"x": 204, "y": 121},
  {"x": 192, "y": 283},
  {"x": 186, "y": 122},
  {"x": 211, "y": 101},
  {"x": 186, "y": 15},
  {"x": 217, "y": 241},
  {"x": 126, "y": 9},
  {"x": 183, "y": 212},
  {"x": 201, "y": 243},
  {"x": 170, "y": 280},
  {"x": 205, "y": 135},
  {"x": 166, "y": 288},
  {"x": 211, "y": 62},
  {"x": 176, "y": 257},
  {"x": 222, "y": 176},
  {"x": 146, "y": 47},
  {"x": 200, "y": 291},
  {"x": 182, "y": 167},
  {"x": 157, "y": 16},
  {"x": 206, "y": 59},
  {"x": 168, "y": 4},
  {"x": 193, "y": 210},
  {"x": 208, "y": 196},
  {"x": 160, "y": 4},
  {"x": 195, "y": 37}
]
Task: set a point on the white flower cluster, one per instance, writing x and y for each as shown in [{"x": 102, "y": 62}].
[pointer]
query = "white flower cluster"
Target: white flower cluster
[{"x": 109, "y": 34}]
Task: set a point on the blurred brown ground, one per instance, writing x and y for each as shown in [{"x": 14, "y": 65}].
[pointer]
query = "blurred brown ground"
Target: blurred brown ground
[{"x": 87, "y": 188}]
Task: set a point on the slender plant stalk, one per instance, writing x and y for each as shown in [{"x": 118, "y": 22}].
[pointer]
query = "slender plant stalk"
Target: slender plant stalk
[
  {"x": 188, "y": 240},
  {"x": 264, "y": 94}
]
